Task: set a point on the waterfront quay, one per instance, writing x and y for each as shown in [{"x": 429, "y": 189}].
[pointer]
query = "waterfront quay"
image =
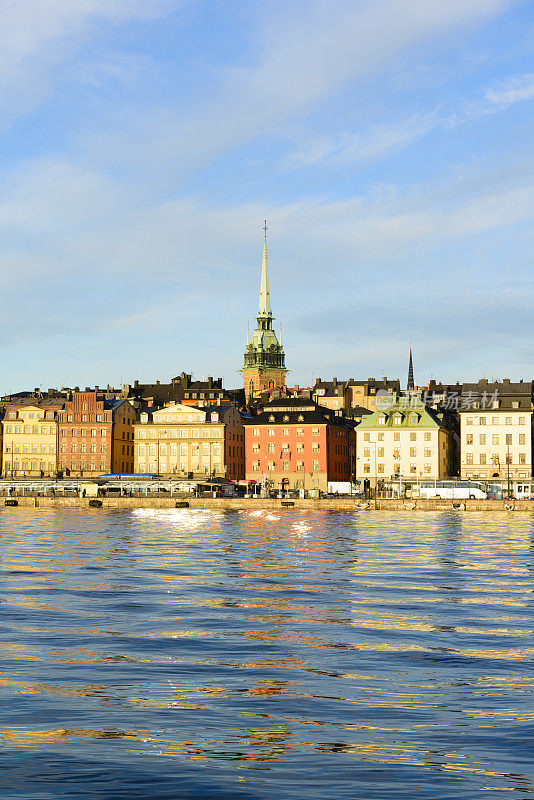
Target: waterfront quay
[{"x": 346, "y": 504}]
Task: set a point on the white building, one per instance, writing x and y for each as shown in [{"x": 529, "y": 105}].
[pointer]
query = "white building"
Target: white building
[
  {"x": 496, "y": 431},
  {"x": 403, "y": 441}
]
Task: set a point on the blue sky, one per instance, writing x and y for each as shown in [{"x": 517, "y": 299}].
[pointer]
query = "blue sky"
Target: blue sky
[{"x": 387, "y": 142}]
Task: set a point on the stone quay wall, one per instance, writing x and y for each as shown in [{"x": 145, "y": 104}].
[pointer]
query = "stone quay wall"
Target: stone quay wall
[{"x": 236, "y": 504}]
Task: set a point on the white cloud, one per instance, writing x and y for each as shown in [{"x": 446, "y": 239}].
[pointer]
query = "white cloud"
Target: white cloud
[
  {"x": 514, "y": 90},
  {"x": 303, "y": 56},
  {"x": 37, "y": 36}
]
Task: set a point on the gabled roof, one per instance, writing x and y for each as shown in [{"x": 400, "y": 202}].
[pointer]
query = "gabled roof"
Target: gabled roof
[{"x": 416, "y": 417}]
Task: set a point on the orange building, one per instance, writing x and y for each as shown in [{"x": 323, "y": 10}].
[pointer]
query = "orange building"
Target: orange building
[
  {"x": 297, "y": 444},
  {"x": 95, "y": 435}
]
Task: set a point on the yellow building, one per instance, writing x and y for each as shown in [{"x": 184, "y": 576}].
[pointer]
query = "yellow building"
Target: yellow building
[
  {"x": 30, "y": 439},
  {"x": 186, "y": 441}
]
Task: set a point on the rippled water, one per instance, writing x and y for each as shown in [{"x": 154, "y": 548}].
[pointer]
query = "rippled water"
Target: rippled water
[{"x": 183, "y": 654}]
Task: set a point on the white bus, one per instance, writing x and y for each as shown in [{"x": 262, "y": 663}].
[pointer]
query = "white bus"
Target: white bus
[{"x": 453, "y": 490}]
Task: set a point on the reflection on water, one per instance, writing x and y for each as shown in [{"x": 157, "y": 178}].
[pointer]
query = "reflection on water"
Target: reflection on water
[{"x": 182, "y": 653}]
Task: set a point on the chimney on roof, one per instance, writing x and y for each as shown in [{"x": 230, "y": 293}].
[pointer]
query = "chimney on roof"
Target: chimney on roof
[
  {"x": 506, "y": 381},
  {"x": 136, "y": 384},
  {"x": 77, "y": 388},
  {"x": 210, "y": 382},
  {"x": 87, "y": 388},
  {"x": 157, "y": 383}
]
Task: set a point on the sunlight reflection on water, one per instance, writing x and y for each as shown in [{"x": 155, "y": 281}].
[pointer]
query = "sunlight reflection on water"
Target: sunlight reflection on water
[{"x": 181, "y": 653}]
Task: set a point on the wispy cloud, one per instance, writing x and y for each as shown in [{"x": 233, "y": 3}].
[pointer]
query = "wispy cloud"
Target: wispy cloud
[
  {"x": 37, "y": 38},
  {"x": 514, "y": 90},
  {"x": 381, "y": 140}
]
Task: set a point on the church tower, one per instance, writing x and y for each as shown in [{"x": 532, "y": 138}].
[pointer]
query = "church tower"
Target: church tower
[{"x": 264, "y": 365}]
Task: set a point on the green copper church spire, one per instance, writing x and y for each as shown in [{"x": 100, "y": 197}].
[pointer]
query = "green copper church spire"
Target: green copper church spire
[
  {"x": 264, "y": 306},
  {"x": 264, "y": 359}
]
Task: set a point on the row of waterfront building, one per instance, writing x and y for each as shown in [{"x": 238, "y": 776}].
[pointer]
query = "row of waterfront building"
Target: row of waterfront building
[
  {"x": 294, "y": 439},
  {"x": 333, "y": 433}
]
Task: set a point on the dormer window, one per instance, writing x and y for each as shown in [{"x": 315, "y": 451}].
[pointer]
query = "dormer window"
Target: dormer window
[
  {"x": 271, "y": 418},
  {"x": 413, "y": 419},
  {"x": 381, "y": 421},
  {"x": 300, "y": 418},
  {"x": 396, "y": 420},
  {"x": 286, "y": 418}
]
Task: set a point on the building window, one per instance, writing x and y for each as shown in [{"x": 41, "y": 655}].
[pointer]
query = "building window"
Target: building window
[
  {"x": 381, "y": 452},
  {"x": 515, "y": 404},
  {"x": 256, "y": 466},
  {"x": 270, "y": 466},
  {"x": 271, "y": 432},
  {"x": 315, "y": 431},
  {"x": 482, "y": 420},
  {"x": 315, "y": 447},
  {"x": 413, "y": 452},
  {"x": 495, "y": 438},
  {"x": 521, "y": 438},
  {"x": 469, "y": 421},
  {"x": 427, "y": 452},
  {"x": 256, "y": 432},
  {"x": 396, "y": 437},
  {"x": 482, "y": 458},
  {"x": 469, "y": 438},
  {"x": 381, "y": 468},
  {"x": 315, "y": 466},
  {"x": 397, "y": 421},
  {"x": 366, "y": 437},
  {"x": 427, "y": 469},
  {"x": 285, "y": 431},
  {"x": 270, "y": 447},
  {"x": 366, "y": 452},
  {"x": 427, "y": 436},
  {"x": 508, "y": 438},
  {"x": 366, "y": 469},
  {"x": 413, "y": 436},
  {"x": 522, "y": 458},
  {"x": 255, "y": 448},
  {"x": 413, "y": 469},
  {"x": 300, "y": 432},
  {"x": 300, "y": 466},
  {"x": 482, "y": 438},
  {"x": 521, "y": 420},
  {"x": 469, "y": 458}
]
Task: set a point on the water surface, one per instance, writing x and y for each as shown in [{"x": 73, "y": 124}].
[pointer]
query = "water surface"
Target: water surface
[{"x": 191, "y": 654}]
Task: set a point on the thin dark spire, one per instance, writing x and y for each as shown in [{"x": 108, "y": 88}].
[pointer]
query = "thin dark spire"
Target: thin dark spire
[{"x": 411, "y": 382}]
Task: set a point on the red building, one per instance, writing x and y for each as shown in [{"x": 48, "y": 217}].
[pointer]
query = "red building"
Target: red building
[
  {"x": 95, "y": 435},
  {"x": 297, "y": 444}
]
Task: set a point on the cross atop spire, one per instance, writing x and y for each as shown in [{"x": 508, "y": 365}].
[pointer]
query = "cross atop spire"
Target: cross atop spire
[{"x": 265, "y": 230}]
